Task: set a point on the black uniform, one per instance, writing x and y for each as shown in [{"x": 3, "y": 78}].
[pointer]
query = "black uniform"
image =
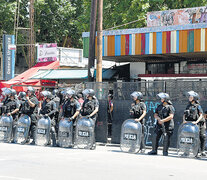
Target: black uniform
[
  {"x": 32, "y": 113},
  {"x": 166, "y": 128},
  {"x": 10, "y": 106},
  {"x": 49, "y": 108},
  {"x": 136, "y": 112},
  {"x": 56, "y": 99},
  {"x": 69, "y": 108},
  {"x": 110, "y": 117},
  {"x": 192, "y": 114},
  {"x": 89, "y": 106},
  {"x": 21, "y": 102}
]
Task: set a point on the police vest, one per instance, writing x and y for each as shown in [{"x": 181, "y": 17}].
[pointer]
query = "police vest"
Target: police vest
[
  {"x": 69, "y": 108},
  {"x": 136, "y": 110},
  {"x": 47, "y": 107},
  {"x": 27, "y": 109},
  {"x": 11, "y": 106},
  {"x": 192, "y": 113},
  {"x": 88, "y": 107}
]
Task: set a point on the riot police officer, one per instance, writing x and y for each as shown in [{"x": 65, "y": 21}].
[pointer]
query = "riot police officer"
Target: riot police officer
[
  {"x": 30, "y": 108},
  {"x": 164, "y": 114},
  {"x": 11, "y": 109},
  {"x": 49, "y": 109},
  {"x": 71, "y": 107},
  {"x": 90, "y": 107},
  {"x": 138, "y": 112},
  {"x": 194, "y": 113},
  {"x": 56, "y": 99},
  {"x": 22, "y": 99}
]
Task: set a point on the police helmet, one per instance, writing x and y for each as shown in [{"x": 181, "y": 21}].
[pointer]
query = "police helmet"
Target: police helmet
[
  {"x": 7, "y": 92},
  {"x": 22, "y": 94},
  {"x": 13, "y": 92},
  {"x": 89, "y": 92},
  {"x": 164, "y": 96},
  {"x": 70, "y": 93},
  {"x": 194, "y": 95},
  {"x": 47, "y": 94},
  {"x": 31, "y": 89},
  {"x": 55, "y": 92},
  {"x": 138, "y": 95}
]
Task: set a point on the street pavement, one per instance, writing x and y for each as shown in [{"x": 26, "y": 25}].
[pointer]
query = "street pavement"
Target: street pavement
[{"x": 27, "y": 162}]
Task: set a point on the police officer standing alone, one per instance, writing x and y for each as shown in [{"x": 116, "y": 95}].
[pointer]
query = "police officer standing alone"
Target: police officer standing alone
[
  {"x": 194, "y": 113},
  {"x": 90, "y": 107},
  {"x": 164, "y": 114},
  {"x": 29, "y": 107},
  {"x": 138, "y": 112},
  {"x": 49, "y": 109}
]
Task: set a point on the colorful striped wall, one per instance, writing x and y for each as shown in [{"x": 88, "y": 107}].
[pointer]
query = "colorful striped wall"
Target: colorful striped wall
[{"x": 177, "y": 41}]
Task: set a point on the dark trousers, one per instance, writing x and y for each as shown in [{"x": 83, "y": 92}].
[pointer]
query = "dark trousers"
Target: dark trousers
[
  {"x": 142, "y": 145},
  {"x": 14, "y": 126},
  {"x": 202, "y": 137},
  {"x": 32, "y": 130},
  {"x": 53, "y": 135},
  {"x": 109, "y": 125},
  {"x": 156, "y": 138}
]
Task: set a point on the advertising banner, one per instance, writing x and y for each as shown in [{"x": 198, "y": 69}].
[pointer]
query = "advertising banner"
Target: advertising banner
[
  {"x": 47, "y": 52},
  {"x": 177, "y": 17},
  {"x": 8, "y": 57}
]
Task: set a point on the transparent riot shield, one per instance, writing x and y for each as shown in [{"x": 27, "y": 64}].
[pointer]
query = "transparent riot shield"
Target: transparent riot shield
[
  {"x": 188, "y": 140},
  {"x": 22, "y": 130},
  {"x": 131, "y": 133},
  {"x": 6, "y": 128},
  {"x": 84, "y": 135},
  {"x": 65, "y": 133},
  {"x": 43, "y": 131}
]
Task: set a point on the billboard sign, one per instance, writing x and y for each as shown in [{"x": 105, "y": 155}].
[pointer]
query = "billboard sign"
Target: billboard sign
[
  {"x": 8, "y": 57},
  {"x": 47, "y": 52},
  {"x": 177, "y": 17}
]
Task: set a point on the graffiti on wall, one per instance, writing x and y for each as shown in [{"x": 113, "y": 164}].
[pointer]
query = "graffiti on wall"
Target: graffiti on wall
[
  {"x": 177, "y": 17},
  {"x": 150, "y": 122}
]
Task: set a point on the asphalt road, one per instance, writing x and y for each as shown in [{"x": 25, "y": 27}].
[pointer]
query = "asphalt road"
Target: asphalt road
[{"x": 26, "y": 162}]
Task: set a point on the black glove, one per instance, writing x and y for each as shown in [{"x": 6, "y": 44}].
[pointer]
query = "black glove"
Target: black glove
[
  {"x": 46, "y": 115},
  {"x": 40, "y": 116},
  {"x": 71, "y": 119},
  {"x": 88, "y": 116}
]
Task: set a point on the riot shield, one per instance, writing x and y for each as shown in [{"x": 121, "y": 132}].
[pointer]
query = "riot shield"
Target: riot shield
[
  {"x": 131, "y": 133},
  {"x": 6, "y": 128},
  {"x": 188, "y": 140},
  {"x": 43, "y": 131},
  {"x": 84, "y": 134},
  {"x": 22, "y": 130},
  {"x": 65, "y": 133}
]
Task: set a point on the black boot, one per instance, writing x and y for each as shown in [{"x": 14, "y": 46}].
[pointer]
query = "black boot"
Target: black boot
[{"x": 153, "y": 152}]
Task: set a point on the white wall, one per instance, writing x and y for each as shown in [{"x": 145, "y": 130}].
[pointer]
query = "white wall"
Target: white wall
[{"x": 137, "y": 68}]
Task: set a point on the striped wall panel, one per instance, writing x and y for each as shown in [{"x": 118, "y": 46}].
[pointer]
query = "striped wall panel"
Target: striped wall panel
[{"x": 176, "y": 41}]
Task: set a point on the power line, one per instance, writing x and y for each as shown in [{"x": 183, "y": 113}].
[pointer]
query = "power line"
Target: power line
[{"x": 124, "y": 24}]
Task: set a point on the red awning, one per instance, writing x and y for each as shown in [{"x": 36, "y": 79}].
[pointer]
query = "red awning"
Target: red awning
[{"x": 24, "y": 78}]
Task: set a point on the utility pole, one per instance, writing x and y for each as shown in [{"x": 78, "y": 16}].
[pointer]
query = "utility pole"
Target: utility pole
[
  {"x": 31, "y": 35},
  {"x": 99, "y": 42},
  {"x": 91, "y": 57}
]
